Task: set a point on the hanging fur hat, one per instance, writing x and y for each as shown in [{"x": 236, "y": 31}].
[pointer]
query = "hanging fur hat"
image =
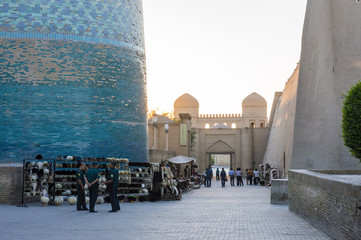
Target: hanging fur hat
[
  {"x": 124, "y": 160},
  {"x": 34, "y": 177},
  {"x": 51, "y": 179},
  {"x": 44, "y": 201},
  {"x": 45, "y": 165},
  {"x": 58, "y": 200},
  {"x": 40, "y": 165},
  {"x": 72, "y": 200}
]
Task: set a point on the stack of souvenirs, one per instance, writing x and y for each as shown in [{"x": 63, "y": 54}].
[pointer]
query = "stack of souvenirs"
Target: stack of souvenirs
[
  {"x": 38, "y": 179},
  {"x": 163, "y": 183}
]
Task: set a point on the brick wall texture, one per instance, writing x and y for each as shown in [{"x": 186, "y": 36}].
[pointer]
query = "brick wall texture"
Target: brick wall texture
[
  {"x": 10, "y": 185},
  {"x": 329, "y": 200}
]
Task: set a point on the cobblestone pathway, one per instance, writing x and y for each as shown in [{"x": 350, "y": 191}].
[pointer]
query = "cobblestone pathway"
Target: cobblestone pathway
[{"x": 207, "y": 213}]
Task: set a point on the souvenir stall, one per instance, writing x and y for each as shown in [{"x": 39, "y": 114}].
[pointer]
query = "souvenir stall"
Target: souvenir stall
[
  {"x": 183, "y": 181},
  {"x": 164, "y": 185},
  {"x": 54, "y": 181},
  {"x": 166, "y": 181},
  {"x": 38, "y": 181}
]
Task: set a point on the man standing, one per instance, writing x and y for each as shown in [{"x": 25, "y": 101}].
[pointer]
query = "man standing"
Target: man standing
[
  {"x": 223, "y": 177},
  {"x": 249, "y": 176},
  {"x": 92, "y": 176},
  {"x": 185, "y": 172},
  {"x": 113, "y": 179},
  {"x": 209, "y": 176},
  {"x": 256, "y": 176},
  {"x": 239, "y": 177},
  {"x": 217, "y": 174},
  {"x": 231, "y": 175},
  {"x": 211, "y": 173},
  {"x": 80, "y": 182}
]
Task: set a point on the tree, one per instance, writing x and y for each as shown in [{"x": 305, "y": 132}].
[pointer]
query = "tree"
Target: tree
[
  {"x": 154, "y": 112},
  {"x": 351, "y": 120}
]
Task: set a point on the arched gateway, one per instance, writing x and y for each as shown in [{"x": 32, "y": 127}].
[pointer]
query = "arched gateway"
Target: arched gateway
[{"x": 219, "y": 149}]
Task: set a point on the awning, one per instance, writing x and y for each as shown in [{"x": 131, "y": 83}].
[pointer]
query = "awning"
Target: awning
[{"x": 181, "y": 160}]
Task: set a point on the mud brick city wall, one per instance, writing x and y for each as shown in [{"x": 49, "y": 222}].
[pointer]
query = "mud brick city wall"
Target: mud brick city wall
[
  {"x": 10, "y": 185},
  {"x": 329, "y": 201}
]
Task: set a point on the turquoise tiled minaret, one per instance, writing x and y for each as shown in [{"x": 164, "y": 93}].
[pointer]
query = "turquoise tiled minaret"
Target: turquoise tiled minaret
[{"x": 72, "y": 79}]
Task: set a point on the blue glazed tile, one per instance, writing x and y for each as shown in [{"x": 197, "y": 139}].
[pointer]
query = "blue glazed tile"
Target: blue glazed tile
[{"x": 72, "y": 79}]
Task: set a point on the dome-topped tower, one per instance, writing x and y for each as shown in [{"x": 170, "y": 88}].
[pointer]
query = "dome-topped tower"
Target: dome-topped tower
[
  {"x": 186, "y": 104},
  {"x": 254, "y": 105}
]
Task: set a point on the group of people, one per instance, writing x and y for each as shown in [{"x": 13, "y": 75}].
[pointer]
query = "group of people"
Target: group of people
[
  {"x": 91, "y": 176},
  {"x": 251, "y": 176}
]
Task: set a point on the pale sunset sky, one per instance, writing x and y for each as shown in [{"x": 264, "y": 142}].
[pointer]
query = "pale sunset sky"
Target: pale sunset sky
[{"x": 220, "y": 51}]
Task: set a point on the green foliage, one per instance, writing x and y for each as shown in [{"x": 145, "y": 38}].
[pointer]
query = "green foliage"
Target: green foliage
[
  {"x": 193, "y": 138},
  {"x": 213, "y": 161},
  {"x": 351, "y": 120}
]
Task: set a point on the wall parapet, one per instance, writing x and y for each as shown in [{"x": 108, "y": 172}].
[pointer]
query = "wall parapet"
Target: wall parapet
[
  {"x": 329, "y": 199},
  {"x": 220, "y": 116}
]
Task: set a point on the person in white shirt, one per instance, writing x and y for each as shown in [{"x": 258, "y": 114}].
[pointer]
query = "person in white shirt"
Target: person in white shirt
[{"x": 239, "y": 177}]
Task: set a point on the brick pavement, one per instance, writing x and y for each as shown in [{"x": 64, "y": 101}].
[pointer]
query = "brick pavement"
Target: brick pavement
[{"x": 207, "y": 213}]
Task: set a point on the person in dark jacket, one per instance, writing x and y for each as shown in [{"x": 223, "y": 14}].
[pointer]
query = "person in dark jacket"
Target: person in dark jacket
[
  {"x": 223, "y": 177},
  {"x": 80, "y": 182},
  {"x": 92, "y": 176},
  {"x": 113, "y": 179},
  {"x": 209, "y": 176}
]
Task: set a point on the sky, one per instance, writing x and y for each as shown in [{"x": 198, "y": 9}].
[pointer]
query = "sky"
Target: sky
[{"x": 220, "y": 51}]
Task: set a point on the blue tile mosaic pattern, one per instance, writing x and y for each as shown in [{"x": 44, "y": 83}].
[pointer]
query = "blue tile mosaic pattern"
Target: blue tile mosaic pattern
[
  {"x": 72, "y": 79},
  {"x": 106, "y": 21}
]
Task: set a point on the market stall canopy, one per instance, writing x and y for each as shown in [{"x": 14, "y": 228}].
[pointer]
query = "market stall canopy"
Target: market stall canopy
[{"x": 181, "y": 160}]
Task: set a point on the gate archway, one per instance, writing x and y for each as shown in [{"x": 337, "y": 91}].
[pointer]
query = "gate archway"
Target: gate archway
[{"x": 220, "y": 148}]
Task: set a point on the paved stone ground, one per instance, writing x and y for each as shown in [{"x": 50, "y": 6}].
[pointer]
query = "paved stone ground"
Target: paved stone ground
[{"x": 207, "y": 213}]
